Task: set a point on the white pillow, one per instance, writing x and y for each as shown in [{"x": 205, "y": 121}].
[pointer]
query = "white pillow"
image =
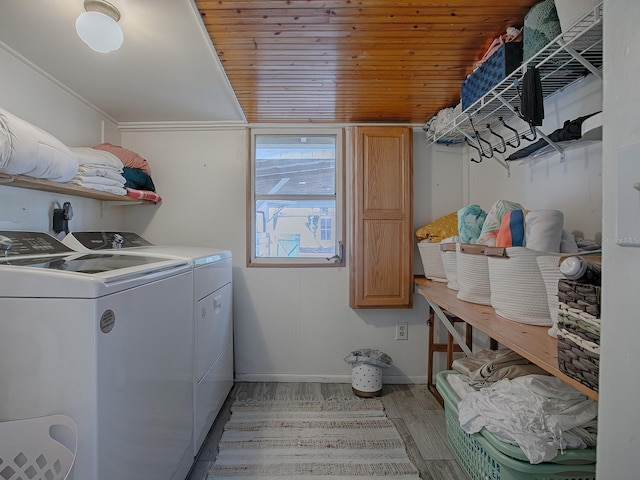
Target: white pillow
[
  {"x": 543, "y": 230},
  {"x": 28, "y": 150}
]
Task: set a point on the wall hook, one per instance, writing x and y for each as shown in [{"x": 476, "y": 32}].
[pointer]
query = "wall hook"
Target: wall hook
[
  {"x": 515, "y": 132},
  {"x": 477, "y": 148},
  {"x": 480, "y": 142},
  {"x": 503, "y": 148},
  {"x": 534, "y": 133}
]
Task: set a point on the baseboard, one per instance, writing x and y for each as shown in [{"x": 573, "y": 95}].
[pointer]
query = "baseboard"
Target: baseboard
[{"x": 281, "y": 378}]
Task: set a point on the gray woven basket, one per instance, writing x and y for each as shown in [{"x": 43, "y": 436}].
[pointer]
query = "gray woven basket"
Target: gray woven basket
[{"x": 579, "y": 331}]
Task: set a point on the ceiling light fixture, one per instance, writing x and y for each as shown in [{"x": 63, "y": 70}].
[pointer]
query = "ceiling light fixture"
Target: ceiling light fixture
[{"x": 98, "y": 26}]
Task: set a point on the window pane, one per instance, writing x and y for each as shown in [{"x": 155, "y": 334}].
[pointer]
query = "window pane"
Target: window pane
[
  {"x": 326, "y": 228},
  {"x": 295, "y": 165},
  {"x": 287, "y": 228}
]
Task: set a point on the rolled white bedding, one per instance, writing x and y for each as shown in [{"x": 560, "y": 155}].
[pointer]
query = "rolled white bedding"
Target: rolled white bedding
[{"x": 28, "y": 150}]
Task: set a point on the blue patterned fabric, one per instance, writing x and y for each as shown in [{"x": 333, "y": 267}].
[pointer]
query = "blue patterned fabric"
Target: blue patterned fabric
[{"x": 504, "y": 61}]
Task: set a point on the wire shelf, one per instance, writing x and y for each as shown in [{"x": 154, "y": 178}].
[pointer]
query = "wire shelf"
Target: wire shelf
[{"x": 568, "y": 58}]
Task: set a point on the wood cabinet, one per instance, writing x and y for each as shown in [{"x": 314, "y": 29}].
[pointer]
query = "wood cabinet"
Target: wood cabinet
[{"x": 381, "y": 246}]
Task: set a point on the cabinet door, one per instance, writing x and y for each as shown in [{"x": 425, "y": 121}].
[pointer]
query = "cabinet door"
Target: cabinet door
[{"x": 381, "y": 255}]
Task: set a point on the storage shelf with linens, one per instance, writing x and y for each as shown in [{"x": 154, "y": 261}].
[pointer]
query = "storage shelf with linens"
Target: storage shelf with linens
[
  {"x": 531, "y": 341},
  {"x": 568, "y": 58},
  {"x": 23, "y": 181}
]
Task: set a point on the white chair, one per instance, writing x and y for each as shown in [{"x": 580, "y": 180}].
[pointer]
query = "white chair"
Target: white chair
[{"x": 28, "y": 450}]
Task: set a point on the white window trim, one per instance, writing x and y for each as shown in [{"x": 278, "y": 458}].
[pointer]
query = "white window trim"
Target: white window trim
[{"x": 252, "y": 260}]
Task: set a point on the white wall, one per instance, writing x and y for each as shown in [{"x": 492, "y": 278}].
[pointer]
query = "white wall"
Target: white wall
[
  {"x": 619, "y": 422},
  {"x": 31, "y": 95},
  {"x": 437, "y": 184},
  {"x": 291, "y": 323},
  {"x": 573, "y": 187}
]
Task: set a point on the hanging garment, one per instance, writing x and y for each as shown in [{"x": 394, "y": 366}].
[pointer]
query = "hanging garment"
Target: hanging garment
[
  {"x": 532, "y": 101},
  {"x": 571, "y": 130}
]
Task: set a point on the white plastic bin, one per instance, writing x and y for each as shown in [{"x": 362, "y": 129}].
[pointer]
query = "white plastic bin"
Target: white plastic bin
[{"x": 28, "y": 449}]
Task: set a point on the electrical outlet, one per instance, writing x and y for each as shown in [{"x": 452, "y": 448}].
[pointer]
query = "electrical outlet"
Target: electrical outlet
[{"x": 402, "y": 331}]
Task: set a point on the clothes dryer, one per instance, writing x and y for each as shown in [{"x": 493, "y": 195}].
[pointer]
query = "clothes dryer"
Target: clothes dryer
[
  {"x": 213, "y": 314},
  {"x": 106, "y": 339}
]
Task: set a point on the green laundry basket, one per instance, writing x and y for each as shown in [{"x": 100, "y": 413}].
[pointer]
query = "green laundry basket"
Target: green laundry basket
[{"x": 484, "y": 457}]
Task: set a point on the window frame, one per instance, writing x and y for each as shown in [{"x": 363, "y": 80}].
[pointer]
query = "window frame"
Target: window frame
[{"x": 339, "y": 230}]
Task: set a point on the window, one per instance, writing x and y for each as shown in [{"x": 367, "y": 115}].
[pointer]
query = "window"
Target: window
[
  {"x": 326, "y": 228},
  {"x": 296, "y": 197}
]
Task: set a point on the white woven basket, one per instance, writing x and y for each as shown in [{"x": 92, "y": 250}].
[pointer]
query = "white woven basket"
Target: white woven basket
[
  {"x": 432, "y": 261},
  {"x": 550, "y": 271},
  {"x": 473, "y": 274},
  {"x": 518, "y": 292},
  {"x": 450, "y": 264}
]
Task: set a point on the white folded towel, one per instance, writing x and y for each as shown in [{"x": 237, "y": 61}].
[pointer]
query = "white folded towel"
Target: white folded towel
[{"x": 97, "y": 158}]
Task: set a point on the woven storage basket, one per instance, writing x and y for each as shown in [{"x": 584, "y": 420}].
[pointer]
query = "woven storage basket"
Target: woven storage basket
[
  {"x": 484, "y": 457},
  {"x": 432, "y": 261},
  {"x": 579, "y": 331},
  {"x": 549, "y": 266},
  {"x": 450, "y": 263},
  {"x": 473, "y": 274},
  {"x": 518, "y": 291}
]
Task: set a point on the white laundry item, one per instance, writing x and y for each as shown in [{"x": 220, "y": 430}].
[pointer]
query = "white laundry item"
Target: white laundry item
[
  {"x": 91, "y": 156},
  {"x": 531, "y": 411},
  {"x": 82, "y": 180},
  {"x": 460, "y": 385},
  {"x": 104, "y": 188},
  {"x": 107, "y": 172}
]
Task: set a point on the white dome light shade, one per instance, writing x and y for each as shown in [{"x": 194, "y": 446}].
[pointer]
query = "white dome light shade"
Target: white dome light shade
[{"x": 101, "y": 32}]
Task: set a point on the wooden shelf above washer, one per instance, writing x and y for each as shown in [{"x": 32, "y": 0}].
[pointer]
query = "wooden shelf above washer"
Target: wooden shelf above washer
[{"x": 23, "y": 181}]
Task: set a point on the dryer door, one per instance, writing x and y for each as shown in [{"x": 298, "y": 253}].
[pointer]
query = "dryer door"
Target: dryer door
[{"x": 214, "y": 328}]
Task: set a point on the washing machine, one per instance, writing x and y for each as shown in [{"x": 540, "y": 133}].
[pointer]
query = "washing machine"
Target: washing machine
[
  {"x": 213, "y": 314},
  {"x": 106, "y": 339}
]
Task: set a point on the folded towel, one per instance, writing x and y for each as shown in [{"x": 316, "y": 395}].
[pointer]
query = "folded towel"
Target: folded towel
[
  {"x": 129, "y": 158},
  {"x": 107, "y": 172},
  {"x": 137, "y": 179},
  {"x": 82, "y": 181},
  {"x": 96, "y": 158},
  {"x": 143, "y": 195},
  {"x": 105, "y": 188}
]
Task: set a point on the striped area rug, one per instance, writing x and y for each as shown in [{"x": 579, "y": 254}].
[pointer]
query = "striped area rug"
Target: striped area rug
[{"x": 342, "y": 439}]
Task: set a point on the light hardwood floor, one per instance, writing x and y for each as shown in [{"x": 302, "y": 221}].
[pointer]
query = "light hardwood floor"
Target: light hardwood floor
[{"x": 417, "y": 415}]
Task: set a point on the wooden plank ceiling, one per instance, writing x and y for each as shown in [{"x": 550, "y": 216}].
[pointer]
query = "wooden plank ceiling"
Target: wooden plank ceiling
[{"x": 352, "y": 61}]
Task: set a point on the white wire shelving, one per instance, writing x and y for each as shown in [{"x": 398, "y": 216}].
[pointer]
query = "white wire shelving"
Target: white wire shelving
[{"x": 568, "y": 58}]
